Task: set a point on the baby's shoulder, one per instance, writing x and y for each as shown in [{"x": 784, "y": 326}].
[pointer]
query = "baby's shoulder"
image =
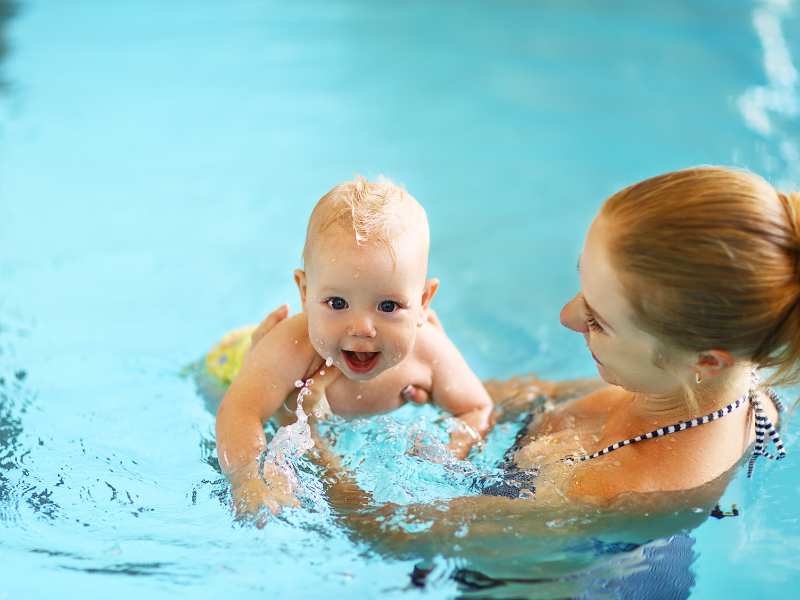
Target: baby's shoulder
[
  {"x": 286, "y": 346},
  {"x": 432, "y": 345}
]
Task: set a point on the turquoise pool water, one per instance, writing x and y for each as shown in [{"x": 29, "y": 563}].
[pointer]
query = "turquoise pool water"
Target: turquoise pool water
[{"x": 158, "y": 161}]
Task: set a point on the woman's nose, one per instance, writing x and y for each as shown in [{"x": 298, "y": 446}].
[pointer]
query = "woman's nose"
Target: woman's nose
[
  {"x": 572, "y": 315},
  {"x": 361, "y": 326}
]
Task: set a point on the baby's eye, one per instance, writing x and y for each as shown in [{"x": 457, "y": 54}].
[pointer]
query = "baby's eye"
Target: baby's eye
[
  {"x": 592, "y": 323},
  {"x": 388, "y": 306},
  {"x": 336, "y": 303}
]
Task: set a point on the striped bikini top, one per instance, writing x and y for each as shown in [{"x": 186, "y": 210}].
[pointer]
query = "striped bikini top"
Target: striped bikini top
[{"x": 764, "y": 428}]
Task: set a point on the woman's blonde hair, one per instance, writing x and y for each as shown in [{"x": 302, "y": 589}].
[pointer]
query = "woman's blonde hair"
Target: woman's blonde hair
[{"x": 709, "y": 258}]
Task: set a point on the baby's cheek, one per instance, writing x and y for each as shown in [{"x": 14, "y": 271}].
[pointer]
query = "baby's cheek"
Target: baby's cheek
[
  {"x": 321, "y": 337},
  {"x": 401, "y": 345}
]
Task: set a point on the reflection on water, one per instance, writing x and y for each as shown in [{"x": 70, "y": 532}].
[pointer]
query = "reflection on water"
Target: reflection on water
[
  {"x": 15, "y": 396},
  {"x": 8, "y": 8}
]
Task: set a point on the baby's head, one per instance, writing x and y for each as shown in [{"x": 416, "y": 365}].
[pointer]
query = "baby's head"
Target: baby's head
[{"x": 364, "y": 283}]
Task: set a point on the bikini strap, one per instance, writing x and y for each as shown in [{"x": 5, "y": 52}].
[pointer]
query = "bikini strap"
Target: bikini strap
[
  {"x": 662, "y": 431},
  {"x": 764, "y": 428}
]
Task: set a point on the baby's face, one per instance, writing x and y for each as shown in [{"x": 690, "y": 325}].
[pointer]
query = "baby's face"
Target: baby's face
[{"x": 364, "y": 310}]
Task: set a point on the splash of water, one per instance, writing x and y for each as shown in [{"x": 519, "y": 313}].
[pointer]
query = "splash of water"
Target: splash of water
[{"x": 292, "y": 441}]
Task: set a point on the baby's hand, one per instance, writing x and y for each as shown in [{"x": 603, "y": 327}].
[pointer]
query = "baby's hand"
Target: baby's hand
[{"x": 272, "y": 492}]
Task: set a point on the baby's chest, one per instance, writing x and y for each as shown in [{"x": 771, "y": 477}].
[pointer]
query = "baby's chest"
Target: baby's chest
[{"x": 349, "y": 398}]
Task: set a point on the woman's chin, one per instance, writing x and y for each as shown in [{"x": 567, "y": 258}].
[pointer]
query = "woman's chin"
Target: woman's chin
[{"x": 605, "y": 375}]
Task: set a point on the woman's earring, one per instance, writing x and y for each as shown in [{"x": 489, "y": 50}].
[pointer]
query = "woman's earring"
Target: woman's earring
[{"x": 697, "y": 377}]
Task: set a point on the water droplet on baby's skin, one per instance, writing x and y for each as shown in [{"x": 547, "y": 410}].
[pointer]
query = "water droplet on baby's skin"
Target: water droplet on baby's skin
[
  {"x": 320, "y": 342},
  {"x": 329, "y": 361},
  {"x": 295, "y": 341},
  {"x": 298, "y": 383},
  {"x": 322, "y": 372},
  {"x": 359, "y": 397}
]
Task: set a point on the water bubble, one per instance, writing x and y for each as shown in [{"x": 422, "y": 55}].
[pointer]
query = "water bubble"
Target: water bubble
[
  {"x": 322, "y": 372},
  {"x": 298, "y": 383},
  {"x": 329, "y": 361}
]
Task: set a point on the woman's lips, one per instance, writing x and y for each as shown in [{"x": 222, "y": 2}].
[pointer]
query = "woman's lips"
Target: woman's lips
[{"x": 361, "y": 362}]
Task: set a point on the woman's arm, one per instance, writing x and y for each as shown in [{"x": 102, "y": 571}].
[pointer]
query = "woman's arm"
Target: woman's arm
[{"x": 525, "y": 393}]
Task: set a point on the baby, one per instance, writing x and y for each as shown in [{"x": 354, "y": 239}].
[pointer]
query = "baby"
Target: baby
[{"x": 365, "y": 298}]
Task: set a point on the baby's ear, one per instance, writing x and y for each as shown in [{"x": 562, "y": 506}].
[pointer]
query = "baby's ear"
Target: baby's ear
[
  {"x": 300, "y": 280},
  {"x": 431, "y": 287}
]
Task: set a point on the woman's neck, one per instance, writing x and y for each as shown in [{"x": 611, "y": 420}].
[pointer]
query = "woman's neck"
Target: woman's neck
[{"x": 709, "y": 395}]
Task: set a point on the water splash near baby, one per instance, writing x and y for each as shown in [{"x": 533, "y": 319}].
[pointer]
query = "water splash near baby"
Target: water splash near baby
[{"x": 292, "y": 441}]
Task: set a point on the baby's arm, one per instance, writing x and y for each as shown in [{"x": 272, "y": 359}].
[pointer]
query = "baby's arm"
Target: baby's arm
[
  {"x": 456, "y": 389},
  {"x": 267, "y": 377}
]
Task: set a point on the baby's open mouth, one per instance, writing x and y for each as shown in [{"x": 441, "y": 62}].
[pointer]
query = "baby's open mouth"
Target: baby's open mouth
[{"x": 361, "y": 362}]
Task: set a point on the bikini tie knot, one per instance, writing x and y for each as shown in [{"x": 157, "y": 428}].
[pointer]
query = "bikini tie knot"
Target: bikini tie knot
[{"x": 764, "y": 428}]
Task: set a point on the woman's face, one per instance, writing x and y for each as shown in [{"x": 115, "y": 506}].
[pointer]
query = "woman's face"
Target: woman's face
[{"x": 625, "y": 355}]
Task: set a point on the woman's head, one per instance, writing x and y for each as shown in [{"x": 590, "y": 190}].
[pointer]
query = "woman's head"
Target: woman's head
[{"x": 708, "y": 260}]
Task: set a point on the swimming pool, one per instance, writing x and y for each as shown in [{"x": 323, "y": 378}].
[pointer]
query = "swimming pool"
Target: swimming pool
[{"x": 157, "y": 165}]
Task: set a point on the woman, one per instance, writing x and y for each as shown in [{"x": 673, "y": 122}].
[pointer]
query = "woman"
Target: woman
[{"x": 690, "y": 283}]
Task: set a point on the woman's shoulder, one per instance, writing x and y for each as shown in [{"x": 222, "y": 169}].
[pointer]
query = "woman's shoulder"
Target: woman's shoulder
[
  {"x": 600, "y": 401},
  {"x": 693, "y": 463}
]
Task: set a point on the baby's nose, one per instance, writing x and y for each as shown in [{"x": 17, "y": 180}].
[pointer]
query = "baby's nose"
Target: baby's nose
[
  {"x": 572, "y": 315},
  {"x": 361, "y": 326}
]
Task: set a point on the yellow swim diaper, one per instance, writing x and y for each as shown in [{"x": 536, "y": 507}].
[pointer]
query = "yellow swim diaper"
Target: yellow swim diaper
[{"x": 225, "y": 359}]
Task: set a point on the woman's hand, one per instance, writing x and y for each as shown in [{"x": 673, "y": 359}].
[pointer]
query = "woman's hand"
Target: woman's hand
[{"x": 272, "y": 319}]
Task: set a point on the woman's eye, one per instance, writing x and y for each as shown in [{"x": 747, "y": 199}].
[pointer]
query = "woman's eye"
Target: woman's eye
[
  {"x": 592, "y": 323},
  {"x": 388, "y": 306},
  {"x": 337, "y": 303}
]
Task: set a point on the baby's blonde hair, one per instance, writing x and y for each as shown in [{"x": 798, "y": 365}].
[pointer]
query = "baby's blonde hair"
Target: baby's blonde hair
[{"x": 376, "y": 212}]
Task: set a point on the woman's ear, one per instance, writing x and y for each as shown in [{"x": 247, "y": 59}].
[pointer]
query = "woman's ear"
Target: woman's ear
[
  {"x": 711, "y": 363},
  {"x": 300, "y": 280}
]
